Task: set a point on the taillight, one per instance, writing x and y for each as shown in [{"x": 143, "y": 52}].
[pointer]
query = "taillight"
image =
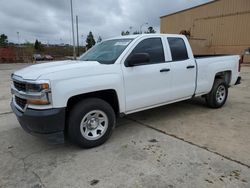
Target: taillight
[{"x": 240, "y": 62}]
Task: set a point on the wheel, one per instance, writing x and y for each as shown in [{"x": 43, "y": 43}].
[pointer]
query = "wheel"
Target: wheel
[
  {"x": 218, "y": 95},
  {"x": 91, "y": 122}
]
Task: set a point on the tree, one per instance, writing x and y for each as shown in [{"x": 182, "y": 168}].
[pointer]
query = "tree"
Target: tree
[
  {"x": 150, "y": 30},
  {"x": 125, "y": 33},
  {"x": 38, "y": 46},
  {"x": 136, "y": 32},
  {"x": 90, "y": 40},
  {"x": 3, "y": 40},
  {"x": 99, "y": 39},
  {"x": 28, "y": 43}
]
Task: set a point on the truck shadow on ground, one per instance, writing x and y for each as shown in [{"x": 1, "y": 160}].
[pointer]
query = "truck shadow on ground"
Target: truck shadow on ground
[
  {"x": 17, "y": 138},
  {"x": 20, "y": 139},
  {"x": 172, "y": 111}
]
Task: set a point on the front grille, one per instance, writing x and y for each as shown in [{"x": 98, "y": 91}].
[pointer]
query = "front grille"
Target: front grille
[
  {"x": 20, "y": 102},
  {"x": 20, "y": 86}
]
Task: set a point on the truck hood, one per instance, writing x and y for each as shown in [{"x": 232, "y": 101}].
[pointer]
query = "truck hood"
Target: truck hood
[{"x": 35, "y": 71}]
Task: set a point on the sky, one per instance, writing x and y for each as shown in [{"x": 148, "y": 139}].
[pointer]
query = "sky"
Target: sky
[{"x": 49, "y": 21}]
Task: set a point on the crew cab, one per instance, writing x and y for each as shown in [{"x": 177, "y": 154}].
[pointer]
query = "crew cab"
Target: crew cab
[{"x": 80, "y": 99}]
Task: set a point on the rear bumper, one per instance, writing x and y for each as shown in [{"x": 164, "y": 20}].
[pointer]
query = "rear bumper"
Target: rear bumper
[
  {"x": 238, "y": 81},
  {"x": 48, "y": 123}
]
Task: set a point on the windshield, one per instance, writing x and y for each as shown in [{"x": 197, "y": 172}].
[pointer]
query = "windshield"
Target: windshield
[{"x": 106, "y": 52}]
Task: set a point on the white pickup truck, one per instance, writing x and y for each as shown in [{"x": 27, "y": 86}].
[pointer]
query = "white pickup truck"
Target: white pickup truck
[{"x": 81, "y": 99}]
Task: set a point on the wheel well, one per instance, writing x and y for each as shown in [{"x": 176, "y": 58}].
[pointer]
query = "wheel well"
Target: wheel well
[
  {"x": 109, "y": 96},
  {"x": 225, "y": 75}
]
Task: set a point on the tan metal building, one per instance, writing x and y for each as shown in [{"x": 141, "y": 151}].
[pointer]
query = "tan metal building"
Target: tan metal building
[{"x": 221, "y": 26}]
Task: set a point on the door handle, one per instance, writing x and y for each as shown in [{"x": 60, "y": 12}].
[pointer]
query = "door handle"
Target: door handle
[
  {"x": 190, "y": 66},
  {"x": 164, "y": 70}
]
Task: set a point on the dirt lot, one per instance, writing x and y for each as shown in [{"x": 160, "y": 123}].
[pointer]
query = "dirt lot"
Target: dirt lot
[{"x": 180, "y": 145}]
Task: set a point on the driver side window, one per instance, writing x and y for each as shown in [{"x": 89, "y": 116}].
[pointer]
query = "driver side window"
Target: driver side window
[{"x": 153, "y": 47}]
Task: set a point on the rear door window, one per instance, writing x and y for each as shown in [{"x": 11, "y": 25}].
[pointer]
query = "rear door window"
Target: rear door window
[{"x": 178, "y": 49}]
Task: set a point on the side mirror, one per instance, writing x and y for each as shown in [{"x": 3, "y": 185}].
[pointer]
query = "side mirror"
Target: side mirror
[{"x": 137, "y": 59}]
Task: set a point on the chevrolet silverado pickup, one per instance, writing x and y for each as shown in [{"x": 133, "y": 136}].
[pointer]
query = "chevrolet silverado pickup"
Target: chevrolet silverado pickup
[{"x": 80, "y": 99}]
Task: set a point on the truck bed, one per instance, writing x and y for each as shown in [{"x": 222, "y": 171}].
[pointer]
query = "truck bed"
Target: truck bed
[{"x": 209, "y": 65}]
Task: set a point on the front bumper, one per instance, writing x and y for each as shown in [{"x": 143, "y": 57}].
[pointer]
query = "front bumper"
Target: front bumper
[{"x": 48, "y": 123}]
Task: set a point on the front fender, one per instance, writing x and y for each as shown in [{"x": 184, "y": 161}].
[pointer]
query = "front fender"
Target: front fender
[{"x": 62, "y": 90}]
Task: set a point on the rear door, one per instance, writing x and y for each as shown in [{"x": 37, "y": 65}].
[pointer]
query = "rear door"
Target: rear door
[
  {"x": 148, "y": 84},
  {"x": 183, "y": 69}
]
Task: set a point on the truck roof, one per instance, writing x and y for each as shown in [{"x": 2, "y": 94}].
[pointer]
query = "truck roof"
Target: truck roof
[{"x": 149, "y": 35}]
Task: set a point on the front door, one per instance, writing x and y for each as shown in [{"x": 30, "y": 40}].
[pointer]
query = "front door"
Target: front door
[{"x": 148, "y": 84}]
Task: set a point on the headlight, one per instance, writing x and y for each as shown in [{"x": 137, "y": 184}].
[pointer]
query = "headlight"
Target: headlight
[
  {"x": 40, "y": 93},
  {"x": 37, "y": 87},
  {"x": 36, "y": 93}
]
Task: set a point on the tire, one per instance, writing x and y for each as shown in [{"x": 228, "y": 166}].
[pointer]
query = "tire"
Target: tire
[
  {"x": 91, "y": 122},
  {"x": 218, "y": 95}
]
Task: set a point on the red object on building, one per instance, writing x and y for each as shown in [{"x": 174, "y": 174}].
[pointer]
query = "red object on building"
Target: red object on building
[{"x": 7, "y": 54}]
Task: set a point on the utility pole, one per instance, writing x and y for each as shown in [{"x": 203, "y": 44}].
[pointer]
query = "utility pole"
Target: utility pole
[
  {"x": 73, "y": 35},
  {"x": 18, "y": 50},
  {"x": 18, "y": 38},
  {"x": 130, "y": 30},
  {"x": 77, "y": 36}
]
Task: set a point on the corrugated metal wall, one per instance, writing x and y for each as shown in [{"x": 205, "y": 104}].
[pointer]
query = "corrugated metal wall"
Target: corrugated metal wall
[{"x": 219, "y": 27}]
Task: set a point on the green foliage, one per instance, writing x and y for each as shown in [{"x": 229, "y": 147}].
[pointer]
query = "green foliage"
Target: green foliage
[
  {"x": 28, "y": 44},
  {"x": 3, "y": 40},
  {"x": 90, "y": 40},
  {"x": 150, "y": 30},
  {"x": 99, "y": 39},
  {"x": 125, "y": 33},
  {"x": 136, "y": 33},
  {"x": 38, "y": 46}
]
